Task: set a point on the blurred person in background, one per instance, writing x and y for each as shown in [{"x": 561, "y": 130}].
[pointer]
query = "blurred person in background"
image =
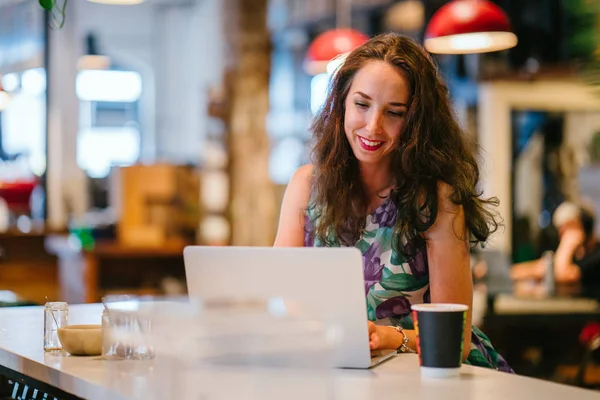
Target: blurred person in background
[
  {"x": 577, "y": 258},
  {"x": 394, "y": 176}
]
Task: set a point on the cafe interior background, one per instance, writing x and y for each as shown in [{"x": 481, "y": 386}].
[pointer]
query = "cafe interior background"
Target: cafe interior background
[{"x": 133, "y": 130}]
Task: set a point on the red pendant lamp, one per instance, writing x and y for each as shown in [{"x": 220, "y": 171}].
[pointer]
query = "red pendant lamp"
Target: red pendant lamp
[
  {"x": 469, "y": 26},
  {"x": 334, "y": 43}
]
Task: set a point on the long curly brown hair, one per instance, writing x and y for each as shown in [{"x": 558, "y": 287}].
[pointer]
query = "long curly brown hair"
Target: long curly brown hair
[{"x": 432, "y": 148}]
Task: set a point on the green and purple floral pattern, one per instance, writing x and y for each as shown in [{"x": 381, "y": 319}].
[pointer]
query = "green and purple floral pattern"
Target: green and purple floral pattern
[{"x": 394, "y": 281}]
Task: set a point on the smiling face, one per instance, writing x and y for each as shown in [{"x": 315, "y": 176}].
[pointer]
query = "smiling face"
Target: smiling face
[{"x": 376, "y": 108}]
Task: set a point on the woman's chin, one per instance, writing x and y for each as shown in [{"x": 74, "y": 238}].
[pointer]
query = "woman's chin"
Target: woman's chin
[{"x": 369, "y": 157}]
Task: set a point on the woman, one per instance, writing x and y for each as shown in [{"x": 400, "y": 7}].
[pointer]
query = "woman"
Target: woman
[
  {"x": 577, "y": 258},
  {"x": 392, "y": 175}
]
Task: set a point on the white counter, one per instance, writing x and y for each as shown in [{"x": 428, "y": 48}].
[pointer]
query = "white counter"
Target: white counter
[{"x": 21, "y": 332}]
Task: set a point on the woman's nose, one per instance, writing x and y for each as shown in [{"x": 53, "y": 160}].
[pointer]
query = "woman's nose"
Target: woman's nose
[{"x": 375, "y": 123}]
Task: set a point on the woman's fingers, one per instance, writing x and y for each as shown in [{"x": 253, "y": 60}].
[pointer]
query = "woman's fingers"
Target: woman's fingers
[{"x": 374, "y": 340}]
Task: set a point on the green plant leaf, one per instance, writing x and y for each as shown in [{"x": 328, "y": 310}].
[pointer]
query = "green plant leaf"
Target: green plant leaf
[
  {"x": 46, "y": 4},
  {"x": 57, "y": 10}
]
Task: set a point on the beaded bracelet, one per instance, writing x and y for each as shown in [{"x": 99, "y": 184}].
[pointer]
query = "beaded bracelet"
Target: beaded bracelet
[{"x": 403, "y": 347}]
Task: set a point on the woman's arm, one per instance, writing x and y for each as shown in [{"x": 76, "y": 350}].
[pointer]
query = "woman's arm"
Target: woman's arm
[
  {"x": 449, "y": 272},
  {"x": 450, "y": 278},
  {"x": 565, "y": 271},
  {"x": 534, "y": 269},
  {"x": 290, "y": 232}
]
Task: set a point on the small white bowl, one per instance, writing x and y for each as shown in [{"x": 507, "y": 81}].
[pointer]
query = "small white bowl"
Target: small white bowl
[{"x": 81, "y": 340}]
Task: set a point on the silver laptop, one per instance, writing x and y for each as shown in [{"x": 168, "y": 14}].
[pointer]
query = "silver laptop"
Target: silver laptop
[{"x": 328, "y": 279}]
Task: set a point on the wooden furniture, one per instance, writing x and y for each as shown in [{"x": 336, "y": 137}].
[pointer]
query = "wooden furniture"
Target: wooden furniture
[
  {"x": 26, "y": 268},
  {"x": 22, "y": 356},
  {"x": 85, "y": 276},
  {"x": 155, "y": 204}
]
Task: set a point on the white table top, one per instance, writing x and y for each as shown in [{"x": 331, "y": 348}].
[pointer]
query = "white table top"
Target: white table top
[{"x": 21, "y": 333}]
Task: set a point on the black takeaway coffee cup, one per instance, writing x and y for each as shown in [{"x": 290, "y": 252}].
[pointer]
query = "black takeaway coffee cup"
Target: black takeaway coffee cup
[{"x": 440, "y": 332}]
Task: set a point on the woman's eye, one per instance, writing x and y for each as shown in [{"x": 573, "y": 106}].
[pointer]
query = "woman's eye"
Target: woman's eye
[
  {"x": 361, "y": 105},
  {"x": 398, "y": 114}
]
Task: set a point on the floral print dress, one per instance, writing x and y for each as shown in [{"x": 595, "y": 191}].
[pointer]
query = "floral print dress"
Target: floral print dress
[{"x": 393, "y": 282}]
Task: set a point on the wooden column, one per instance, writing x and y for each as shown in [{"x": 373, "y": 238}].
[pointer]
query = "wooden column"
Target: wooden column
[{"x": 253, "y": 211}]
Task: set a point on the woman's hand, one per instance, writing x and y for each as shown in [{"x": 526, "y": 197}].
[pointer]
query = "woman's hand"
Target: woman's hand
[
  {"x": 376, "y": 336},
  {"x": 388, "y": 338},
  {"x": 383, "y": 337}
]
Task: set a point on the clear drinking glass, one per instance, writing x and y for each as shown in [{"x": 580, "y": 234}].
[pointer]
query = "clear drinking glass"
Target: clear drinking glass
[
  {"x": 56, "y": 315},
  {"x": 126, "y": 329}
]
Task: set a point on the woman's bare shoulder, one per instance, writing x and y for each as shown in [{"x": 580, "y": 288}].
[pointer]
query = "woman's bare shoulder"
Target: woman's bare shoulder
[
  {"x": 302, "y": 178},
  {"x": 305, "y": 171},
  {"x": 295, "y": 203}
]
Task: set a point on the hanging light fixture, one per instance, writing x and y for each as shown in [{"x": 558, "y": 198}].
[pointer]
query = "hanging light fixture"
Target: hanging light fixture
[
  {"x": 469, "y": 26},
  {"x": 118, "y": 2},
  {"x": 92, "y": 59},
  {"x": 329, "y": 49}
]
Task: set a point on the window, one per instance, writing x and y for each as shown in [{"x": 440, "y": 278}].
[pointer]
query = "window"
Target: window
[
  {"x": 109, "y": 120},
  {"x": 24, "y": 120}
]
